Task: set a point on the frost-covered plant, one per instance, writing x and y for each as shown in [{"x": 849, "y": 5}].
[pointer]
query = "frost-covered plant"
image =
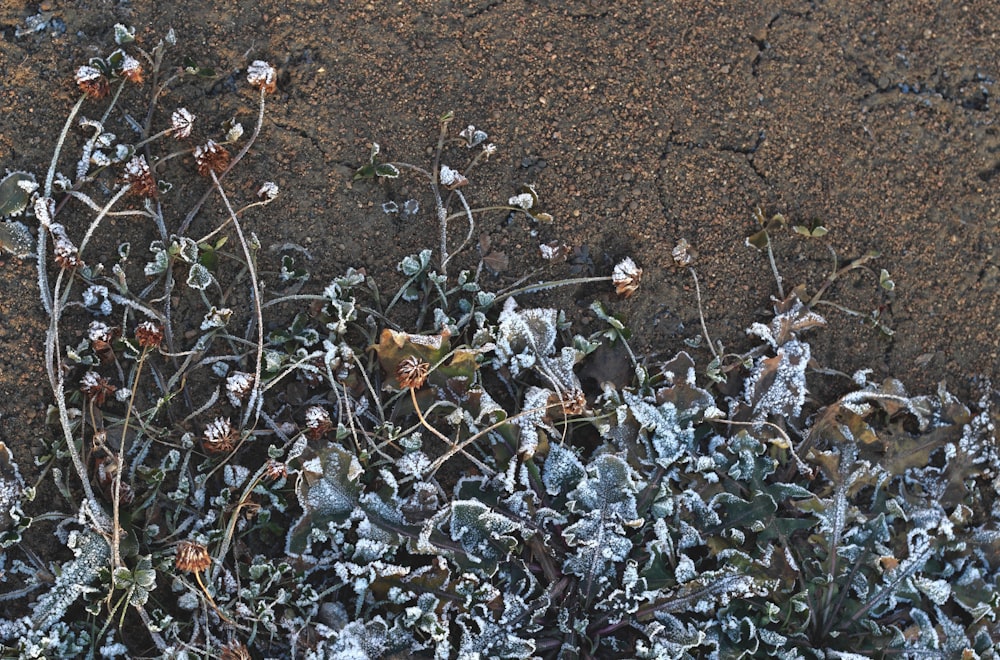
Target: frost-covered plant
[{"x": 324, "y": 483}]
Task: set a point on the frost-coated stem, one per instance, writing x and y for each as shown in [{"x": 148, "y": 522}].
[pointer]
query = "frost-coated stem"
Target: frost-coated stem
[
  {"x": 701, "y": 314},
  {"x": 253, "y": 402},
  {"x": 468, "y": 236}
]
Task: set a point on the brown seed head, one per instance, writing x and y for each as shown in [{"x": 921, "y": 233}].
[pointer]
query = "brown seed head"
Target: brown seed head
[
  {"x": 141, "y": 179},
  {"x": 412, "y": 372},
  {"x": 274, "y": 470},
  {"x": 211, "y": 157},
  {"x": 318, "y": 422},
  {"x": 192, "y": 557},
  {"x": 148, "y": 334},
  {"x": 220, "y": 436}
]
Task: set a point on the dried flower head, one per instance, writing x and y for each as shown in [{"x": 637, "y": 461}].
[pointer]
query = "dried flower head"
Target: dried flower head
[
  {"x": 130, "y": 69},
  {"x": 318, "y": 422},
  {"x": 451, "y": 179},
  {"x": 96, "y": 387},
  {"x": 412, "y": 372},
  {"x": 66, "y": 254},
  {"x": 238, "y": 386},
  {"x": 211, "y": 157},
  {"x": 137, "y": 174},
  {"x": 192, "y": 557},
  {"x": 92, "y": 82},
  {"x": 181, "y": 120},
  {"x": 626, "y": 277},
  {"x": 148, "y": 334},
  {"x": 682, "y": 253},
  {"x": 268, "y": 191},
  {"x": 220, "y": 437},
  {"x": 234, "y": 650},
  {"x": 263, "y": 76},
  {"x": 273, "y": 470}
]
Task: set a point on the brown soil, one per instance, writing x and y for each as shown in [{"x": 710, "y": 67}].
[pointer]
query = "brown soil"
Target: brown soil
[{"x": 640, "y": 123}]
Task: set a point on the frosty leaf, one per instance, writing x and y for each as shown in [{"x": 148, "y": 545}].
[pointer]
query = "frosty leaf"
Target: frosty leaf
[
  {"x": 199, "y": 277},
  {"x": 484, "y": 535},
  {"x": 777, "y": 385},
  {"x": 606, "y": 505},
  {"x": 562, "y": 470},
  {"x": 525, "y": 335},
  {"x": 328, "y": 492},
  {"x": 16, "y": 238},
  {"x": 484, "y": 637},
  {"x": 668, "y": 438},
  {"x": 15, "y": 192}
]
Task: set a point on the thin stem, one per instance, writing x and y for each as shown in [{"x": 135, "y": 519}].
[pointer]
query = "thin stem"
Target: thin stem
[
  {"x": 253, "y": 403},
  {"x": 542, "y": 286},
  {"x": 701, "y": 314}
]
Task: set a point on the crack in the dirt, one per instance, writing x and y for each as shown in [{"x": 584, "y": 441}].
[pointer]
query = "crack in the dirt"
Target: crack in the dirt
[{"x": 304, "y": 134}]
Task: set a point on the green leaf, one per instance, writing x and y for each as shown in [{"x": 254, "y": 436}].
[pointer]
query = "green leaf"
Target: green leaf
[{"x": 387, "y": 170}]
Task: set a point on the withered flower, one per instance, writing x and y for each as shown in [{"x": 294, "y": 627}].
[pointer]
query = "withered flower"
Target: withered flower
[
  {"x": 92, "y": 82},
  {"x": 682, "y": 253},
  {"x": 148, "y": 334},
  {"x": 238, "y": 387},
  {"x": 234, "y": 650},
  {"x": 318, "y": 422},
  {"x": 96, "y": 387},
  {"x": 211, "y": 157},
  {"x": 130, "y": 69},
  {"x": 626, "y": 277},
  {"x": 273, "y": 470},
  {"x": 141, "y": 179},
  {"x": 66, "y": 254},
  {"x": 263, "y": 76},
  {"x": 219, "y": 437},
  {"x": 412, "y": 372},
  {"x": 181, "y": 120},
  {"x": 192, "y": 557}
]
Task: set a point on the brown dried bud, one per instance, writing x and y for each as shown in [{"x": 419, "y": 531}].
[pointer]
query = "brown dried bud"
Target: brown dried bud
[
  {"x": 412, "y": 372},
  {"x": 148, "y": 334},
  {"x": 211, "y": 157},
  {"x": 318, "y": 422},
  {"x": 137, "y": 174},
  {"x": 626, "y": 277},
  {"x": 92, "y": 82},
  {"x": 192, "y": 557}
]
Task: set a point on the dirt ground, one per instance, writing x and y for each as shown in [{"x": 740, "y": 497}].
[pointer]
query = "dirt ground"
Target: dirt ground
[{"x": 640, "y": 123}]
